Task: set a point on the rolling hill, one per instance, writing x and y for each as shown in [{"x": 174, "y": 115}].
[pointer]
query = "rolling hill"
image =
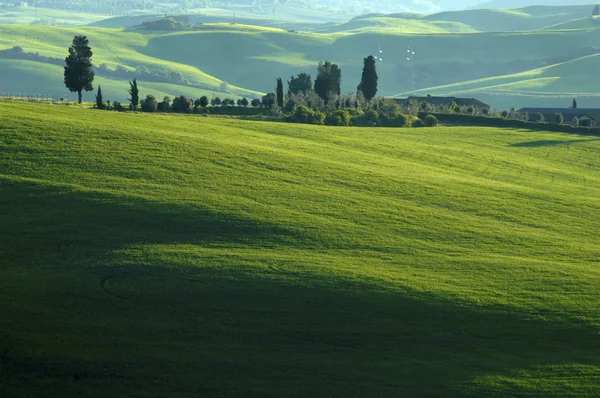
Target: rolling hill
[
  {"x": 554, "y": 84},
  {"x": 160, "y": 254}
]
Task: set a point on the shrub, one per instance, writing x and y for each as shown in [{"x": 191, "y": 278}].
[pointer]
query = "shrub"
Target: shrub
[
  {"x": 539, "y": 118},
  {"x": 485, "y": 111},
  {"x": 558, "y": 118},
  {"x": 470, "y": 110},
  {"x": 504, "y": 114},
  {"x": 430, "y": 121},
  {"x": 425, "y": 106},
  {"x": 417, "y": 123},
  {"x": 303, "y": 114},
  {"x": 165, "y": 105},
  {"x": 339, "y": 117},
  {"x": 398, "y": 120},
  {"x": 575, "y": 122},
  {"x": 149, "y": 104},
  {"x": 118, "y": 107}
]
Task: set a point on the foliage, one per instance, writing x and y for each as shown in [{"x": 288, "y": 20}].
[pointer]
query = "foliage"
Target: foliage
[
  {"x": 216, "y": 101},
  {"x": 134, "y": 94},
  {"x": 279, "y": 92},
  {"x": 430, "y": 121},
  {"x": 149, "y": 104},
  {"x": 304, "y": 114},
  {"x": 416, "y": 123},
  {"x": 338, "y": 117},
  {"x": 504, "y": 114},
  {"x": 302, "y": 83},
  {"x": 182, "y": 104},
  {"x": 99, "y": 101},
  {"x": 78, "y": 75},
  {"x": 539, "y": 118},
  {"x": 369, "y": 78},
  {"x": 558, "y": 118},
  {"x": 575, "y": 121},
  {"x": 328, "y": 81},
  {"x": 255, "y": 103},
  {"x": 164, "y": 105},
  {"x": 269, "y": 100}
]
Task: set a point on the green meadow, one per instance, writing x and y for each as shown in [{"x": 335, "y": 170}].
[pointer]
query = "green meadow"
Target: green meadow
[{"x": 164, "y": 255}]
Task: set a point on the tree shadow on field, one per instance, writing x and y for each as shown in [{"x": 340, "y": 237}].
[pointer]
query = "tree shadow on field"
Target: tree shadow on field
[
  {"x": 543, "y": 143},
  {"x": 210, "y": 331}
]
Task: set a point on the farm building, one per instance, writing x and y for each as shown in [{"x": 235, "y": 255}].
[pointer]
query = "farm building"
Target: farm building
[{"x": 444, "y": 101}]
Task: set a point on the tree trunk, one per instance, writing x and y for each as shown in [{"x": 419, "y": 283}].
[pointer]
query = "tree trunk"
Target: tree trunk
[{"x": 79, "y": 94}]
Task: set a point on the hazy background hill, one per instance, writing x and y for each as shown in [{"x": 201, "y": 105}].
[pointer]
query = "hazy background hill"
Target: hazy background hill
[{"x": 241, "y": 53}]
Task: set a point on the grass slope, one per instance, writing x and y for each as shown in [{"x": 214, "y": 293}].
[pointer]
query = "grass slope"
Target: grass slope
[
  {"x": 249, "y": 58},
  {"x": 518, "y": 19},
  {"x": 29, "y": 15},
  {"x": 565, "y": 80},
  {"x": 183, "y": 256}
]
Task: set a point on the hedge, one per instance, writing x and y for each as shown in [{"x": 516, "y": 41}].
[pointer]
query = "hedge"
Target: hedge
[{"x": 501, "y": 122}]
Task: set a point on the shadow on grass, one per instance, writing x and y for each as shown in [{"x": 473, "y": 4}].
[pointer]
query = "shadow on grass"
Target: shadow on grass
[
  {"x": 216, "y": 332},
  {"x": 542, "y": 143}
]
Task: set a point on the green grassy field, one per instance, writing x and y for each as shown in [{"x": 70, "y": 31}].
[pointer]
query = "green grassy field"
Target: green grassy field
[
  {"x": 29, "y": 15},
  {"x": 565, "y": 80},
  {"x": 153, "y": 255}
]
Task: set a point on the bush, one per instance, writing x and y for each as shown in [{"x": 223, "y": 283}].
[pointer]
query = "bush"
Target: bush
[
  {"x": 431, "y": 121},
  {"x": 417, "y": 123},
  {"x": 149, "y": 104},
  {"x": 470, "y": 110},
  {"x": 485, "y": 111},
  {"x": 118, "y": 107},
  {"x": 165, "y": 105},
  {"x": 456, "y": 109},
  {"x": 339, "y": 117},
  {"x": 539, "y": 118},
  {"x": 303, "y": 114},
  {"x": 558, "y": 118},
  {"x": 575, "y": 122}
]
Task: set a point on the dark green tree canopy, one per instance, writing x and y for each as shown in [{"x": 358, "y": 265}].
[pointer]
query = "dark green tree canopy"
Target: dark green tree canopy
[
  {"x": 301, "y": 83},
  {"x": 99, "y": 102},
  {"x": 78, "y": 70},
  {"x": 134, "y": 93},
  {"x": 328, "y": 81},
  {"x": 368, "y": 81},
  {"x": 574, "y": 103},
  {"x": 279, "y": 92}
]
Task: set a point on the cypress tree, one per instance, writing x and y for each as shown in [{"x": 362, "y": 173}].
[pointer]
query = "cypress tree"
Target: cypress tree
[
  {"x": 368, "y": 81},
  {"x": 99, "y": 101},
  {"x": 78, "y": 70},
  {"x": 328, "y": 81},
  {"x": 279, "y": 92},
  {"x": 135, "y": 94}
]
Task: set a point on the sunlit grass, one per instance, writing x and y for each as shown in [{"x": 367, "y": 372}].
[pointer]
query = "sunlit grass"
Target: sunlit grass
[{"x": 162, "y": 253}]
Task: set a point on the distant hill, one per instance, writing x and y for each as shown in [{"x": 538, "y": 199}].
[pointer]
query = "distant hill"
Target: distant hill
[{"x": 520, "y": 19}]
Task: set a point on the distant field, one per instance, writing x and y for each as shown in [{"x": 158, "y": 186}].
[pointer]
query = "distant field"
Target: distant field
[
  {"x": 29, "y": 15},
  {"x": 569, "y": 79},
  {"x": 520, "y": 19},
  {"x": 161, "y": 254}
]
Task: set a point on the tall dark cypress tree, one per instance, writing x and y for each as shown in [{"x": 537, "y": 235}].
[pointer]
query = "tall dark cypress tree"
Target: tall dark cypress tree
[
  {"x": 135, "y": 94},
  {"x": 368, "y": 81},
  {"x": 78, "y": 70},
  {"x": 99, "y": 101},
  {"x": 279, "y": 92}
]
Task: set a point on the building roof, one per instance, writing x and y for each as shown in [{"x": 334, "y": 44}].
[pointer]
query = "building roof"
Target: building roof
[{"x": 445, "y": 101}]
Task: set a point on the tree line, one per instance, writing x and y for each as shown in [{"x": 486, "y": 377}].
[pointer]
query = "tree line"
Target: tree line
[{"x": 318, "y": 102}]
